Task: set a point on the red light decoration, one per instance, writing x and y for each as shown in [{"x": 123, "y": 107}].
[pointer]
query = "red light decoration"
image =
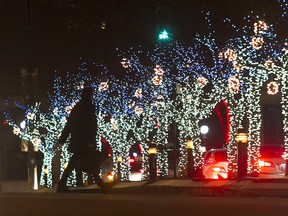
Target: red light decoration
[{"x": 222, "y": 113}]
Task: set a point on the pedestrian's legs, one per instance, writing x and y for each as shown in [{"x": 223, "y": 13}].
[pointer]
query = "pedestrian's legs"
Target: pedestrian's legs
[
  {"x": 67, "y": 172},
  {"x": 99, "y": 181},
  {"x": 79, "y": 177}
]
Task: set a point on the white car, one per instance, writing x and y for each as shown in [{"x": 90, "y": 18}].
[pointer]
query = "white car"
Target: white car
[{"x": 215, "y": 164}]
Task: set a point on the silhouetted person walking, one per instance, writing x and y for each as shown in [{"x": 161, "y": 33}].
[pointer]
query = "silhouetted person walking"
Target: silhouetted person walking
[{"x": 82, "y": 126}]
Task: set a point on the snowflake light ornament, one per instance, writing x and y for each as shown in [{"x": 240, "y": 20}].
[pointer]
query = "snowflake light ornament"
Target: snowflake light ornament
[
  {"x": 55, "y": 111},
  {"x": 125, "y": 63},
  {"x": 158, "y": 70},
  {"x": 16, "y": 131},
  {"x": 272, "y": 88},
  {"x": 285, "y": 49},
  {"x": 202, "y": 81},
  {"x": 260, "y": 27},
  {"x": 132, "y": 104},
  {"x": 114, "y": 125},
  {"x": 237, "y": 66},
  {"x": 157, "y": 80},
  {"x": 30, "y": 116},
  {"x": 160, "y": 100},
  {"x": 233, "y": 85},
  {"x": 138, "y": 110},
  {"x": 103, "y": 86},
  {"x": 269, "y": 64},
  {"x": 230, "y": 55},
  {"x": 81, "y": 85},
  {"x": 68, "y": 109},
  {"x": 257, "y": 42},
  {"x": 220, "y": 55},
  {"x": 138, "y": 93}
]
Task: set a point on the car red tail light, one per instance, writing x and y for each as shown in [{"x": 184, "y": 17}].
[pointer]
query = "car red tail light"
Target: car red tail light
[
  {"x": 265, "y": 164},
  {"x": 218, "y": 169}
]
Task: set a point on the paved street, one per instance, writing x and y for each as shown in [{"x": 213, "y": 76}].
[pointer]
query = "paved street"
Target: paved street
[{"x": 42, "y": 204}]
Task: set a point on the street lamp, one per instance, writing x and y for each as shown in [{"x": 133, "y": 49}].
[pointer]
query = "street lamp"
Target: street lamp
[
  {"x": 152, "y": 161},
  {"x": 189, "y": 147},
  {"x": 242, "y": 140},
  {"x": 204, "y": 129}
]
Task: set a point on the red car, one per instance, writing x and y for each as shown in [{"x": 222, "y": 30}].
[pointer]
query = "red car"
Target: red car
[
  {"x": 215, "y": 164},
  {"x": 272, "y": 161}
]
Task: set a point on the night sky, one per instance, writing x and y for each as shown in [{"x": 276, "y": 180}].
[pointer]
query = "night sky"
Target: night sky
[{"x": 54, "y": 34}]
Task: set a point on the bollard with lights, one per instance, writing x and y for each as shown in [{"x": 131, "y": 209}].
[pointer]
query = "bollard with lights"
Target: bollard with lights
[
  {"x": 45, "y": 170},
  {"x": 152, "y": 161},
  {"x": 242, "y": 140},
  {"x": 189, "y": 147},
  {"x": 119, "y": 160}
]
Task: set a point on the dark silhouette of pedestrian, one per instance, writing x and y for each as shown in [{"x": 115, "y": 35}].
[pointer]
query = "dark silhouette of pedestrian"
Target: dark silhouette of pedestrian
[{"x": 82, "y": 126}]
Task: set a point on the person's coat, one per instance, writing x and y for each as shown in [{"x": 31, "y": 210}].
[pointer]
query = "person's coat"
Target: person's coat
[{"x": 82, "y": 126}]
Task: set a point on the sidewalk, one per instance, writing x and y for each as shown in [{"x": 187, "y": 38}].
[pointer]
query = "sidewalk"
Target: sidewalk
[{"x": 248, "y": 187}]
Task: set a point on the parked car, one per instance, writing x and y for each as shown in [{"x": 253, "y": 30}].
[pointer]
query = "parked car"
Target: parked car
[
  {"x": 136, "y": 171},
  {"x": 272, "y": 160},
  {"x": 215, "y": 164}
]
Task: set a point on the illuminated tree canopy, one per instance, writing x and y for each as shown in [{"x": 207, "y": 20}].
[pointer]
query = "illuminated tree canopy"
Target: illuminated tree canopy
[{"x": 140, "y": 107}]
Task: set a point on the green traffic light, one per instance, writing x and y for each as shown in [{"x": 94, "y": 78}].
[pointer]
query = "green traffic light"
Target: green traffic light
[{"x": 163, "y": 35}]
